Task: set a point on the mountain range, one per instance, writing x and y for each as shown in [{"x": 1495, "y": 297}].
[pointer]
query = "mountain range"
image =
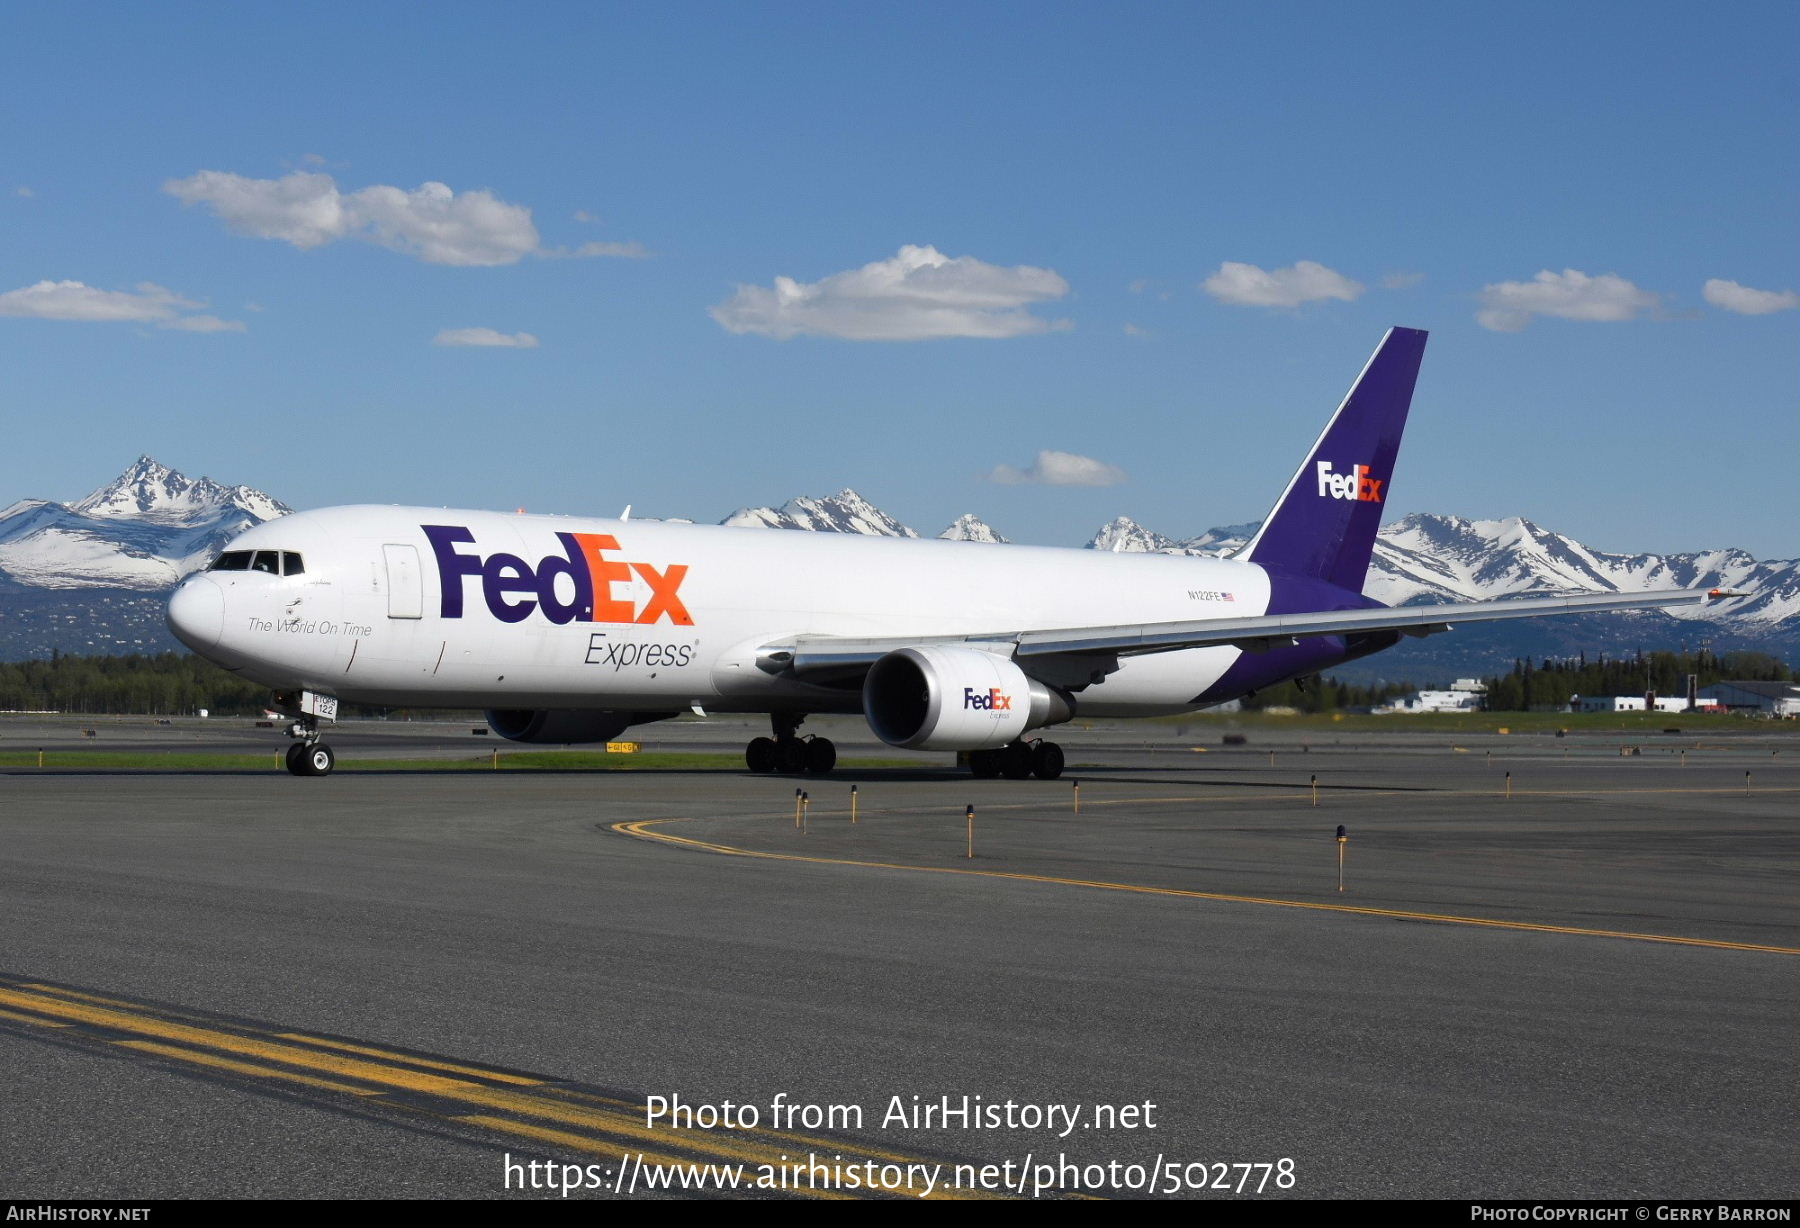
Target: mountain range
[
  {"x": 144, "y": 530},
  {"x": 89, "y": 576}
]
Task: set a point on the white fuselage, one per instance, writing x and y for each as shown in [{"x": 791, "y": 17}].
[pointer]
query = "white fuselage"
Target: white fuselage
[{"x": 675, "y": 614}]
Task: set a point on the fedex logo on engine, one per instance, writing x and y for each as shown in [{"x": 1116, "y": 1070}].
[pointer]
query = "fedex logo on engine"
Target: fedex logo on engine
[
  {"x": 1356, "y": 485},
  {"x": 991, "y": 700},
  {"x": 513, "y": 588}
]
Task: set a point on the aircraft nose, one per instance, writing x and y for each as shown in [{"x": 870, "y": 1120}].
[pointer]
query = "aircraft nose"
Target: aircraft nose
[{"x": 197, "y": 613}]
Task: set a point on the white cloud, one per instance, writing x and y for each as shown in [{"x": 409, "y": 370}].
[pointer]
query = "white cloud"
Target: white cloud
[
  {"x": 1508, "y": 306},
  {"x": 206, "y": 324},
  {"x": 303, "y": 208},
  {"x": 1305, "y": 281},
  {"x": 1746, "y": 301},
  {"x": 920, "y": 294},
  {"x": 597, "y": 247},
  {"x": 431, "y": 222},
  {"x": 442, "y": 227},
  {"x": 1132, "y": 330},
  {"x": 1401, "y": 281},
  {"x": 74, "y": 300},
  {"x": 582, "y": 215},
  {"x": 1060, "y": 469},
  {"x": 485, "y": 336}
]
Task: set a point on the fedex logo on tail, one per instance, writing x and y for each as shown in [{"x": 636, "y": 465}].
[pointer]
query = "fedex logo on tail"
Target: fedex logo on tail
[
  {"x": 1356, "y": 485},
  {"x": 513, "y": 588},
  {"x": 991, "y": 700}
]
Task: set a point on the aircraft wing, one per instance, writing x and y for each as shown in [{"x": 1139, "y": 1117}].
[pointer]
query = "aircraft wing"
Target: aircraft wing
[{"x": 834, "y": 658}]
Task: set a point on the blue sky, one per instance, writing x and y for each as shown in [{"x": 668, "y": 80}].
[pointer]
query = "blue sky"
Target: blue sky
[{"x": 1161, "y": 239}]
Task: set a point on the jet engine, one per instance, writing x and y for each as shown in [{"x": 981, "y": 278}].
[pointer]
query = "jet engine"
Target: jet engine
[
  {"x": 565, "y": 726},
  {"x": 938, "y": 698}
]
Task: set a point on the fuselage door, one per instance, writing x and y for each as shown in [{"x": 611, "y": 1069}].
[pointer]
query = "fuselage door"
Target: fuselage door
[{"x": 406, "y": 597}]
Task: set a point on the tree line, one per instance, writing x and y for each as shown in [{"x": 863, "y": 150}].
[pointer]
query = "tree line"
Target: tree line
[
  {"x": 163, "y": 684},
  {"x": 1318, "y": 694},
  {"x": 1550, "y": 683}
]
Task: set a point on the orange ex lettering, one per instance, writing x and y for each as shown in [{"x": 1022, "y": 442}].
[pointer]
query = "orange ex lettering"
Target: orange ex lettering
[{"x": 663, "y": 598}]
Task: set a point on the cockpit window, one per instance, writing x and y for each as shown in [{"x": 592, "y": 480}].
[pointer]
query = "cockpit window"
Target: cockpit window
[{"x": 275, "y": 562}]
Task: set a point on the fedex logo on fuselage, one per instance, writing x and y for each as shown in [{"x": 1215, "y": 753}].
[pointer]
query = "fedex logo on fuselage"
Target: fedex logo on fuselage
[
  {"x": 991, "y": 700},
  {"x": 1357, "y": 484},
  {"x": 513, "y": 588}
]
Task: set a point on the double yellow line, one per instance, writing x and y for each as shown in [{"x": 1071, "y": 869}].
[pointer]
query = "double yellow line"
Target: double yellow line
[{"x": 506, "y": 1103}]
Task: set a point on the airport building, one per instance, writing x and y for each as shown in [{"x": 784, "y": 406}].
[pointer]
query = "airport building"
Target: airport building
[
  {"x": 1637, "y": 703},
  {"x": 1776, "y": 699},
  {"x": 1464, "y": 695},
  {"x": 1773, "y": 699}
]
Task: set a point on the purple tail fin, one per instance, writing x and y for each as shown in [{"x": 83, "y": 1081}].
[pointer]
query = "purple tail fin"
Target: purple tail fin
[{"x": 1324, "y": 524}]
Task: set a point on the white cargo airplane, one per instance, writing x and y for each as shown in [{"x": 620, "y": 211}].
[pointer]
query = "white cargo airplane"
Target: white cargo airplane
[{"x": 570, "y": 630}]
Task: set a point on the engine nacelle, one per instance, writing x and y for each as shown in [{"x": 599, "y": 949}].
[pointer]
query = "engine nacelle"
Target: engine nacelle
[
  {"x": 565, "y": 726},
  {"x": 934, "y": 698}
]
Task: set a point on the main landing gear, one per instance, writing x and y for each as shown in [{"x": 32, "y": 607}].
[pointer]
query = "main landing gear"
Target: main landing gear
[
  {"x": 788, "y": 752},
  {"x": 1019, "y": 760},
  {"x": 308, "y": 756}
]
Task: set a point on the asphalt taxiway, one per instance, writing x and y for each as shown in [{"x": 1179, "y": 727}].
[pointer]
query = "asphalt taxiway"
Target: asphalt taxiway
[{"x": 1555, "y": 969}]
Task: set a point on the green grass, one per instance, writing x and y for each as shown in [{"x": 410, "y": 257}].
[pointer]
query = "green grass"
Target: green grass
[
  {"x": 550, "y": 760},
  {"x": 128, "y": 759}
]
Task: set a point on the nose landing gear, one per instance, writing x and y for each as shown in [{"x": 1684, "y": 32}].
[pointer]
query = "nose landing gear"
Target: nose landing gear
[
  {"x": 307, "y": 755},
  {"x": 315, "y": 759}
]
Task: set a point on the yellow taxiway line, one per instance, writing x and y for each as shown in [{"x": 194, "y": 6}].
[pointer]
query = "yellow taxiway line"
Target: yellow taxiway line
[
  {"x": 641, "y": 828},
  {"x": 500, "y": 1101}
]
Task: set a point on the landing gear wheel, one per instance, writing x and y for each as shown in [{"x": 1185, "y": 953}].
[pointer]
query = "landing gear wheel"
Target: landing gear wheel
[
  {"x": 1046, "y": 761},
  {"x": 759, "y": 756},
  {"x": 294, "y": 751},
  {"x": 316, "y": 760},
  {"x": 984, "y": 763},
  {"x": 821, "y": 756},
  {"x": 1015, "y": 761},
  {"x": 790, "y": 755}
]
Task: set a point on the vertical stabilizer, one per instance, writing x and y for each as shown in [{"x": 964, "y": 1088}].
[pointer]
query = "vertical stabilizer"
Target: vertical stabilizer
[{"x": 1324, "y": 524}]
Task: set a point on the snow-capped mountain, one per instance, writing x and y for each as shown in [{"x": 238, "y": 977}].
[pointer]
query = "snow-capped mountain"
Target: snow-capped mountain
[
  {"x": 969, "y": 527},
  {"x": 844, "y": 512},
  {"x": 142, "y": 531},
  {"x": 155, "y": 493},
  {"x": 1426, "y": 558},
  {"x": 1123, "y": 535},
  {"x": 1126, "y": 535}
]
